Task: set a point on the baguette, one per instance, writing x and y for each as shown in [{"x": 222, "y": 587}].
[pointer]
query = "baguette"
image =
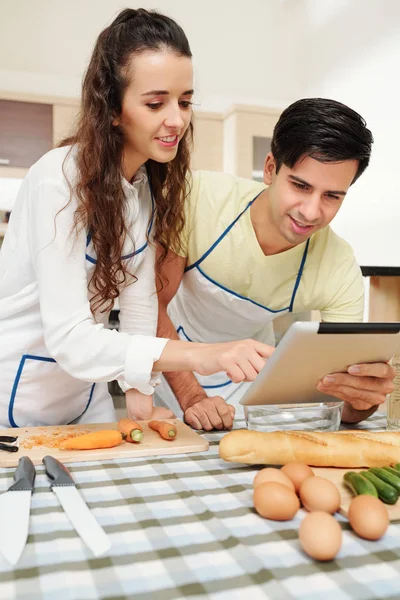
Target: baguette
[{"x": 348, "y": 449}]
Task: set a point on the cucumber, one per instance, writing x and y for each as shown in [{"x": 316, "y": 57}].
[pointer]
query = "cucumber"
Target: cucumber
[
  {"x": 393, "y": 471},
  {"x": 359, "y": 485},
  {"x": 386, "y": 492},
  {"x": 397, "y": 467},
  {"x": 387, "y": 477}
]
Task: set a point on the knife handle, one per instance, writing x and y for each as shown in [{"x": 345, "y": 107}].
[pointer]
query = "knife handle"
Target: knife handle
[
  {"x": 56, "y": 472},
  {"x": 8, "y": 448},
  {"x": 24, "y": 476}
]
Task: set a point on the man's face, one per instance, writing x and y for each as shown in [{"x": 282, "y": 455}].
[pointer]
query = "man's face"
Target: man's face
[{"x": 305, "y": 198}]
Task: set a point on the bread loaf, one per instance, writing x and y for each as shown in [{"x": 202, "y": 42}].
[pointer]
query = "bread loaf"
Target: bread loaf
[{"x": 349, "y": 449}]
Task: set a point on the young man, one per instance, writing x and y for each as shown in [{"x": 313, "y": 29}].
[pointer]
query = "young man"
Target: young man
[{"x": 251, "y": 252}]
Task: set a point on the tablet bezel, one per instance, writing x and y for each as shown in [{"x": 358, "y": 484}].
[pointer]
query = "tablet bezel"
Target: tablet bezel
[{"x": 309, "y": 350}]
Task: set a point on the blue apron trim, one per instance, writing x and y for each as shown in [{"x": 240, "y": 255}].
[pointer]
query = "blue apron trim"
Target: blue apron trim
[
  {"x": 299, "y": 274},
  {"x": 89, "y": 235},
  {"x": 222, "y": 287},
  {"x": 86, "y": 407},
  {"x": 205, "y": 387},
  {"x": 221, "y": 237},
  {"x": 16, "y": 383}
]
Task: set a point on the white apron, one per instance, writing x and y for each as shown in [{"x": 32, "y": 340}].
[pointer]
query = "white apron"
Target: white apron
[
  {"x": 203, "y": 310},
  {"x": 34, "y": 389}
]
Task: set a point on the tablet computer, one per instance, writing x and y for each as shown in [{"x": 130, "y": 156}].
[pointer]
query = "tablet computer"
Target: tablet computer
[{"x": 310, "y": 350}]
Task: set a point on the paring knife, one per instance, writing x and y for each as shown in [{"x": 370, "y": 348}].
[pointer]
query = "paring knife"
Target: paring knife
[
  {"x": 15, "y": 507},
  {"x": 75, "y": 507}
]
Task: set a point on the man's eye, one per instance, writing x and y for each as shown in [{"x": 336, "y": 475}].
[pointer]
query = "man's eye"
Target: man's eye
[{"x": 299, "y": 186}]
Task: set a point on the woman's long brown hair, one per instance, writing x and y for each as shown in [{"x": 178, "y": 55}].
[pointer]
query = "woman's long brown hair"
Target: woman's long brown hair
[{"x": 99, "y": 147}]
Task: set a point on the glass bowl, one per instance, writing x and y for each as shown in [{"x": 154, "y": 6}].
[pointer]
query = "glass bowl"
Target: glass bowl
[{"x": 320, "y": 416}]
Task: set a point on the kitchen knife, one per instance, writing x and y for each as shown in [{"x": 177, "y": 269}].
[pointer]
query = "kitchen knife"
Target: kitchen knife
[
  {"x": 15, "y": 507},
  {"x": 75, "y": 507},
  {"x": 9, "y": 443}
]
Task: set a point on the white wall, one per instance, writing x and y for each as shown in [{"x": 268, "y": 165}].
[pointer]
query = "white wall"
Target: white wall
[
  {"x": 266, "y": 52},
  {"x": 45, "y": 46},
  {"x": 350, "y": 50}
]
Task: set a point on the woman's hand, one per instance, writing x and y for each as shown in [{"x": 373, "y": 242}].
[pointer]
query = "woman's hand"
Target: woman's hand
[
  {"x": 241, "y": 360},
  {"x": 139, "y": 407}
]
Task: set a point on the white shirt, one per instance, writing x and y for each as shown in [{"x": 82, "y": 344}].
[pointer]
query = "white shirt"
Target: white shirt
[{"x": 45, "y": 268}]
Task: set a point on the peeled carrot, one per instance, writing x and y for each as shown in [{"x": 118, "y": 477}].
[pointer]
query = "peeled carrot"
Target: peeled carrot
[
  {"x": 132, "y": 430},
  {"x": 166, "y": 430},
  {"x": 91, "y": 441}
]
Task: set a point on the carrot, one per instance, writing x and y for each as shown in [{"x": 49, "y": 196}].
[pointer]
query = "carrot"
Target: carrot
[
  {"x": 132, "y": 430},
  {"x": 91, "y": 441},
  {"x": 166, "y": 430}
]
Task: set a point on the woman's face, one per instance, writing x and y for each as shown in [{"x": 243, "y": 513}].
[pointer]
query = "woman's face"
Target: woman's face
[{"x": 156, "y": 107}]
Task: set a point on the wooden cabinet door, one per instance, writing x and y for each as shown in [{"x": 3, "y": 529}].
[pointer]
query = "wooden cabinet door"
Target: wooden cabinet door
[{"x": 26, "y": 132}]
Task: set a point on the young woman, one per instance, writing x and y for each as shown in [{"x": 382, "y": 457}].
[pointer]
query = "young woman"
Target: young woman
[{"x": 80, "y": 236}]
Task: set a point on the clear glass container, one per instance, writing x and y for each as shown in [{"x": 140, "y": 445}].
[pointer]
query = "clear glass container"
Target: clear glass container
[
  {"x": 393, "y": 402},
  {"x": 322, "y": 416}
]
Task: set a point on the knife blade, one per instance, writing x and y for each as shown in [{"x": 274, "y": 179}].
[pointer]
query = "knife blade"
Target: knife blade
[
  {"x": 75, "y": 507},
  {"x": 15, "y": 507}
]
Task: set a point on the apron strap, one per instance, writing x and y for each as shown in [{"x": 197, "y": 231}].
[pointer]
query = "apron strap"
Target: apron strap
[
  {"x": 150, "y": 227},
  {"x": 299, "y": 274},
  {"x": 221, "y": 237}
]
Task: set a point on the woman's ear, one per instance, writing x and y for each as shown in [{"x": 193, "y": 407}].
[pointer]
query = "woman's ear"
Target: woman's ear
[
  {"x": 116, "y": 121},
  {"x": 269, "y": 168}
]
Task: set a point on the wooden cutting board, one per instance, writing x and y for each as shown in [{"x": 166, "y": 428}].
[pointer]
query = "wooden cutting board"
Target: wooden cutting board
[
  {"x": 152, "y": 444},
  {"x": 336, "y": 476}
]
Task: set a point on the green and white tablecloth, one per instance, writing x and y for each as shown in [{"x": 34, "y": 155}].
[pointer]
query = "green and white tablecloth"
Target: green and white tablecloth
[{"x": 184, "y": 527}]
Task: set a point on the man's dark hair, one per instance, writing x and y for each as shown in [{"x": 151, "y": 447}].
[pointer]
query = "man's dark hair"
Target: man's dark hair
[{"x": 322, "y": 129}]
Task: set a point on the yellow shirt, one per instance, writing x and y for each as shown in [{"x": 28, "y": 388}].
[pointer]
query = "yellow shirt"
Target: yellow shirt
[{"x": 331, "y": 281}]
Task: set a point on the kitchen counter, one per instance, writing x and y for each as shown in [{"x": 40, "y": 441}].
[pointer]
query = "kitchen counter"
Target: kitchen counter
[{"x": 183, "y": 526}]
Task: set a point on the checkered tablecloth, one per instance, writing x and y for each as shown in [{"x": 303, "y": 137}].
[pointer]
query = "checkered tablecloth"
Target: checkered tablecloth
[{"x": 183, "y": 526}]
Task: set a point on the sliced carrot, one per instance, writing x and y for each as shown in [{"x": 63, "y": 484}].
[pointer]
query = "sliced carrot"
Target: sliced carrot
[
  {"x": 132, "y": 430},
  {"x": 94, "y": 440},
  {"x": 167, "y": 430}
]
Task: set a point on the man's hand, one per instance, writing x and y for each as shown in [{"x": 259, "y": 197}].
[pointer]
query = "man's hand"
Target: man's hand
[
  {"x": 364, "y": 387},
  {"x": 210, "y": 413}
]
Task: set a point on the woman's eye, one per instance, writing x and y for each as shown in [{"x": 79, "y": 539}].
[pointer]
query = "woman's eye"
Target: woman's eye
[
  {"x": 154, "y": 105},
  {"x": 185, "y": 103}
]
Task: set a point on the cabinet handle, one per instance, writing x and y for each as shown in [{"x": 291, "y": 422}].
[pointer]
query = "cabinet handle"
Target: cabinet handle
[{"x": 5, "y": 161}]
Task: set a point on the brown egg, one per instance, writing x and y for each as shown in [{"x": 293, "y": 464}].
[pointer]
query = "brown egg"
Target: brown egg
[
  {"x": 320, "y": 535},
  {"x": 275, "y": 501},
  {"x": 368, "y": 517},
  {"x": 272, "y": 474},
  {"x": 317, "y": 493},
  {"x": 297, "y": 473}
]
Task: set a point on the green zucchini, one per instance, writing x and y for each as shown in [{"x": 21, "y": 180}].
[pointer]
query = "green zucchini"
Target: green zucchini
[
  {"x": 386, "y": 492},
  {"x": 393, "y": 471},
  {"x": 397, "y": 467},
  {"x": 359, "y": 485},
  {"x": 387, "y": 477}
]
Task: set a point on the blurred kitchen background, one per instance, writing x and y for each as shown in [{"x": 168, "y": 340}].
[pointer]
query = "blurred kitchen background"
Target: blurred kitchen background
[{"x": 252, "y": 58}]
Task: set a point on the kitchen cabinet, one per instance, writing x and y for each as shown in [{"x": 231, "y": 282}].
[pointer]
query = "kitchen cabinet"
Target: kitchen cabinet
[
  {"x": 208, "y": 141},
  {"x": 384, "y": 293},
  {"x": 26, "y": 132},
  {"x": 244, "y": 130},
  {"x": 64, "y": 119}
]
